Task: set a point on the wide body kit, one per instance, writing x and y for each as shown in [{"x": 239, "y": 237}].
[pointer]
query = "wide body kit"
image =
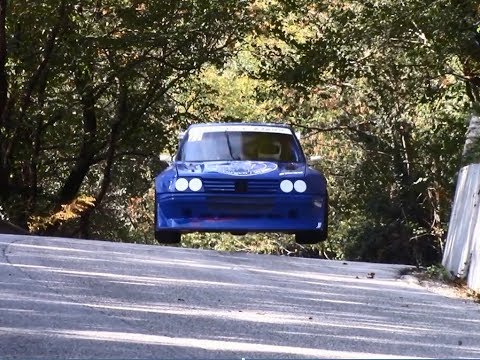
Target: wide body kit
[{"x": 240, "y": 178}]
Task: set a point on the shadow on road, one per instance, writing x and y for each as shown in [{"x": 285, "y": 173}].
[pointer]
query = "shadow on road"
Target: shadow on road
[{"x": 87, "y": 299}]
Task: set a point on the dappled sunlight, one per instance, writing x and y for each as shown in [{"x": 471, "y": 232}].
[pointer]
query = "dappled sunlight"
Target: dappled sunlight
[
  {"x": 132, "y": 258},
  {"x": 359, "y": 338},
  {"x": 260, "y": 316},
  {"x": 212, "y": 313},
  {"x": 107, "y": 259},
  {"x": 18, "y": 310},
  {"x": 323, "y": 300},
  {"x": 221, "y": 345},
  {"x": 246, "y": 305},
  {"x": 131, "y": 278},
  {"x": 328, "y": 278},
  {"x": 205, "y": 344},
  {"x": 49, "y": 248}
]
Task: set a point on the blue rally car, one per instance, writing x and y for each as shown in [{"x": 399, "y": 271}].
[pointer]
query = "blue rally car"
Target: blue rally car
[{"x": 239, "y": 178}]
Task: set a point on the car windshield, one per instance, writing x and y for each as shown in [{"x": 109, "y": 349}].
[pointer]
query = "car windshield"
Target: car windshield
[{"x": 240, "y": 145}]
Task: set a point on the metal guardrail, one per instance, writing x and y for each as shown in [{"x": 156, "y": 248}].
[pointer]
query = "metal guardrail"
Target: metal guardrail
[
  {"x": 473, "y": 279},
  {"x": 462, "y": 249}
]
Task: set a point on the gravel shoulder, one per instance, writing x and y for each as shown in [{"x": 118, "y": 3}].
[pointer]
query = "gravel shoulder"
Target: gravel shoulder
[{"x": 453, "y": 288}]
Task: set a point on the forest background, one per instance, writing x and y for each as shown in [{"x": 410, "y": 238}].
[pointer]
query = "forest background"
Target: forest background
[{"x": 384, "y": 92}]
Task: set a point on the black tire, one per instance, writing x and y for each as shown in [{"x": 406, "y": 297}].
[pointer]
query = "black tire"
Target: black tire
[
  {"x": 310, "y": 237},
  {"x": 314, "y": 236},
  {"x": 165, "y": 236},
  {"x": 168, "y": 237}
]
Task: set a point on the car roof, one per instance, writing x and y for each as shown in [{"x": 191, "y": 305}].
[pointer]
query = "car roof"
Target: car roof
[{"x": 239, "y": 124}]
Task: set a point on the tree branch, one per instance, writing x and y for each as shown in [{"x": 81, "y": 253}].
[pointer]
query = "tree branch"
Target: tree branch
[
  {"x": 338, "y": 127},
  {"x": 121, "y": 115},
  {"x": 3, "y": 58},
  {"x": 47, "y": 53}
]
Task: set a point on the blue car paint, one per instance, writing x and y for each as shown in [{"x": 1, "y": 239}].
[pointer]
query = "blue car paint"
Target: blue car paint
[{"x": 261, "y": 207}]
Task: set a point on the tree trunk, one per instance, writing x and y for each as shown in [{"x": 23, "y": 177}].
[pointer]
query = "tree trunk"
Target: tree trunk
[
  {"x": 3, "y": 56},
  {"x": 121, "y": 116},
  {"x": 3, "y": 96}
]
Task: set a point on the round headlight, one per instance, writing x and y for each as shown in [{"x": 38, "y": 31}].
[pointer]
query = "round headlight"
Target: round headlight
[
  {"x": 300, "y": 186},
  {"x": 286, "y": 186},
  {"x": 181, "y": 184},
  {"x": 195, "y": 184}
]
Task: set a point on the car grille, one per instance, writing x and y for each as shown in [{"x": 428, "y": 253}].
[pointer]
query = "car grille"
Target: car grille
[
  {"x": 240, "y": 205},
  {"x": 240, "y": 186}
]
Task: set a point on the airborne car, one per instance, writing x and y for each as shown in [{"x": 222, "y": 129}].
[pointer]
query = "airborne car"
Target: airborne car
[{"x": 239, "y": 178}]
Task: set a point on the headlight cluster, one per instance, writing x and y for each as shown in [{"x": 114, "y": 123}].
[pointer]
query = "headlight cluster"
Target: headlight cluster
[
  {"x": 287, "y": 186},
  {"x": 182, "y": 184}
]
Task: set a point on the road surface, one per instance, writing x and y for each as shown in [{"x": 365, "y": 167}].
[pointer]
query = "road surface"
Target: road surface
[{"x": 68, "y": 298}]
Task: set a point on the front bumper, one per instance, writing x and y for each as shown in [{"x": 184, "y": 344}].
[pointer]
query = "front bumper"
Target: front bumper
[{"x": 188, "y": 212}]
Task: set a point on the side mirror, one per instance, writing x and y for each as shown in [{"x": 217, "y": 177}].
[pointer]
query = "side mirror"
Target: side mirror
[
  {"x": 165, "y": 160},
  {"x": 165, "y": 157}
]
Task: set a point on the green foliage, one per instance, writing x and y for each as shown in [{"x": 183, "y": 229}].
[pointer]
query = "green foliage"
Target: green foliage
[
  {"x": 261, "y": 243},
  {"x": 256, "y": 243},
  {"x": 385, "y": 90},
  {"x": 68, "y": 212},
  {"x": 94, "y": 91},
  {"x": 437, "y": 272},
  {"x": 473, "y": 155},
  {"x": 91, "y": 93}
]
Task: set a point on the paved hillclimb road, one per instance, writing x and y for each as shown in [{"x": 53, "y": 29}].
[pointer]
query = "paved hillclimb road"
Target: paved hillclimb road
[{"x": 68, "y": 298}]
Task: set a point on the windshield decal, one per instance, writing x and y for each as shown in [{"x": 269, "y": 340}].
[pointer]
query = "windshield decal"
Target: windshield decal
[
  {"x": 196, "y": 133},
  {"x": 242, "y": 168}
]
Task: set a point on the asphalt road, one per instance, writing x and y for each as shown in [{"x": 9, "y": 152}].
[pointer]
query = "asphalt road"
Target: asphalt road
[{"x": 66, "y": 298}]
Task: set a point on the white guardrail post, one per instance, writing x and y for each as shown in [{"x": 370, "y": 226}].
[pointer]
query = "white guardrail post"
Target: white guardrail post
[
  {"x": 461, "y": 256},
  {"x": 473, "y": 280}
]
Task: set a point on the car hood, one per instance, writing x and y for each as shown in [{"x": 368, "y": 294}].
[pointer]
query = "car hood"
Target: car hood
[{"x": 240, "y": 168}]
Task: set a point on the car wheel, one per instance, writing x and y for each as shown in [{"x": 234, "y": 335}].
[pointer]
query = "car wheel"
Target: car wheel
[
  {"x": 314, "y": 236},
  {"x": 168, "y": 237},
  {"x": 310, "y": 237}
]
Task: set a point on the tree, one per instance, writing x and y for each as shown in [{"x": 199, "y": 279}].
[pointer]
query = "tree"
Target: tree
[
  {"x": 391, "y": 86},
  {"x": 83, "y": 84}
]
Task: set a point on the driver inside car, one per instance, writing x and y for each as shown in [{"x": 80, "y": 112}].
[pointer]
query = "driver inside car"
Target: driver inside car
[{"x": 270, "y": 151}]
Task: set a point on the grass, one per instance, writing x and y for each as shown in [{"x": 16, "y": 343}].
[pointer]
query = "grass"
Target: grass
[{"x": 437, "y": 275}]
